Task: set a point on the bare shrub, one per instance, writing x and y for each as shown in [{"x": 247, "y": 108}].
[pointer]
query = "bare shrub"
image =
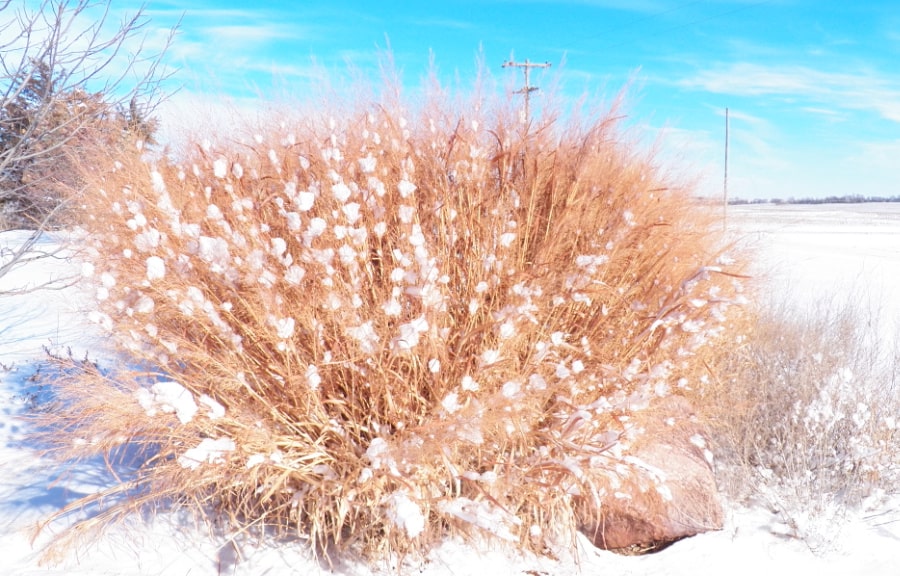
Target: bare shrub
[
  {"x": 371, "y": 325},
  {"x": 70, "y": 81},
  {"x": 807, "y": 421}
]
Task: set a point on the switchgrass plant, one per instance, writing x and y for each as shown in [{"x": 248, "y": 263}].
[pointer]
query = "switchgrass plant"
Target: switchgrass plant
[
  {"x": 377, "y": 323},
  {"x": 807, "y": 422}
]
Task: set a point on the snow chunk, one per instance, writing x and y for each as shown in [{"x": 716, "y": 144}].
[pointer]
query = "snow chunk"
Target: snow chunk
[
  {"x": 698, "y": 441},
  {"x": 168, "y": 397},
  {"x": 409, "y": 334},
  {"x": 144, "y": 305},
  {"x": 536, "y": 382},
  {"x": 511, "y": 389},
  {"x": 279, "y": 247},
  {"x": 100, "y": 318},
  {"x": 284, "y": 327},
  {"x": 316, "y": 227},
  {"x": 450, "y": 403},
  {"x": 294, "y": 275},
  {"x": 209, "y": 451},
  {"x": 293, "y": 221},
  {"x": 489, "y": 357},
  {"x": 417, "y": 238},
  {"x": 507, "y": 330},
  {"x": 590, "y": 261},
  {"x": 214, "y": 250},
  {"x": 351, "y": 211},
  {"x": 220, "y": 167},
  {"x": 392, "y": 307},
  {"x": 347, "y": 255},
  {"x": 156, "y": 268},
  {"x": 255, "y": 460},
  {"x": 366, "y": 336},
  {"x": 305, "y": 201},
  {"x": 341, "y": 192},
  {"x": 406, "y": 213},
  {"x": 216, "y": 410},
  {"x": 147, "y": 240},
  {"x": 377, "y": 452},
  {"x": 405, "y": 514},
  {"x": 405, "y": 187},
  {"x": 367, "y": 164},
  {"x": 312, "y": 377},
  {"x": 483, "y": 515}
]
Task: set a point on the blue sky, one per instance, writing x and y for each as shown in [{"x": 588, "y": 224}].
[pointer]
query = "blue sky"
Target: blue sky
[{"x": 813, "y": 86}]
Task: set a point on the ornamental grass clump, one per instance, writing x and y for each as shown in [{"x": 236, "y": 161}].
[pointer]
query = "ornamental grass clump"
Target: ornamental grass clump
[{"x": 378, "y": 326}]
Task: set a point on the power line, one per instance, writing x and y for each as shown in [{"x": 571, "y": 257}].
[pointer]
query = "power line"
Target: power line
[{"x": 652, "y": 16}]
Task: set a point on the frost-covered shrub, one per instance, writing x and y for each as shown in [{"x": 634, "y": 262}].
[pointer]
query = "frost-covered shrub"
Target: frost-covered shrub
[
  {"x": 378, "y": 325},
  {"x": 808, "y": 419}
]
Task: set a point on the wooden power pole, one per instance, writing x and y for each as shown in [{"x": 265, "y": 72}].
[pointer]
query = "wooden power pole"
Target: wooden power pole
[{"x": 528, "y": 88}]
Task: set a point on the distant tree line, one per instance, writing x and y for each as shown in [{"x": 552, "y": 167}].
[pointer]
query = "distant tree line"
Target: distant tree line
[{"x": 848, "y": 199}]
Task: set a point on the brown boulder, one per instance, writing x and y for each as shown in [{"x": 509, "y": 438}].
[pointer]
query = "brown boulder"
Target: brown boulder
[{"x": 671, "y": 493}]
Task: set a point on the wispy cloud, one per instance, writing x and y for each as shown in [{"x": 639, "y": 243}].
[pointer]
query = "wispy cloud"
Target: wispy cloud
[
  {"x": 443, "y": 23},
  {"x": 836, "y": 91},
  {"x": 623, "y": 5},
  {"x": 174, "y": 12},
  {"x": 829, "y": 114},
  {"x": 255, "y": 33}
]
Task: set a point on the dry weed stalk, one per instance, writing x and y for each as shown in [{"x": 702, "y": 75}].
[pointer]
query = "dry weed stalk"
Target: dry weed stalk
[{"x": 374, "y": 326}]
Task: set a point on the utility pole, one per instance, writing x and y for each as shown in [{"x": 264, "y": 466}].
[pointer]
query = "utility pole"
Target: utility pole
[
  {"x": 725, "y": 184},
  {"x": 528, "y": 88}
]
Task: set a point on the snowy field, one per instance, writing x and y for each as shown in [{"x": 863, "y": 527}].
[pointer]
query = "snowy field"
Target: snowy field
[
  {"x": 808, "y": 252},
  {"x": 827, "y": 251}
]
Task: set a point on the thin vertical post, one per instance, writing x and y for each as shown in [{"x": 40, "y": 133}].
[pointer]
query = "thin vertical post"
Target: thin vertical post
[{"x": 725, "y": 183}]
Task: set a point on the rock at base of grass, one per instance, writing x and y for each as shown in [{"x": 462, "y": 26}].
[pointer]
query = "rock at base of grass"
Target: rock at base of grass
[{"x": 645, "y": 515}]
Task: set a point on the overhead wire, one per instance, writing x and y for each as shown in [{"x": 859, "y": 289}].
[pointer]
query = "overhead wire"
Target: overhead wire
[{"x": 685, "y": 24}]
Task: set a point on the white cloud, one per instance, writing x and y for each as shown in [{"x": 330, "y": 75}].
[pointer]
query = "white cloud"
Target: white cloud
[{"x": 834, "y": 91}]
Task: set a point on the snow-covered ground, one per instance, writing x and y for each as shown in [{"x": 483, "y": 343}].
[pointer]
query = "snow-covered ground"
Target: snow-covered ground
[
  {"x": 826, "y": 251},
  {"x": 808, "y": 251}
]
